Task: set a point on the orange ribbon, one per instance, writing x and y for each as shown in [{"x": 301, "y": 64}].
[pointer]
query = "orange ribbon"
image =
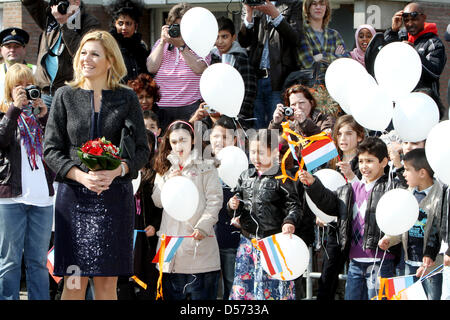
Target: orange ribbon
[
  {"x": 305, "y": 142},
  {"x": 140, "y": 282},
  {"x": 162, "y": 249}
]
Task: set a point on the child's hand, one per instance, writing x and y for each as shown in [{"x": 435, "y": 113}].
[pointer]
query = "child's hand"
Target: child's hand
[
  {"x": 394, "y": 155},
  {"x": 233, "y": 203},
  {"x": 384, "y": 243},
  {"x": 236, "y": 222},
  {"x": 288, "y": 229},
  {"x": 197, "y": 235},
  {"x": 446, "y": 260},
  {"x": 174, "y": 173},
  {"x": 346, "y": 169},
  {"x": 150, "y": 231},
  {"x": 320, "y": 223},
  {"x": 306, "y": 178}
]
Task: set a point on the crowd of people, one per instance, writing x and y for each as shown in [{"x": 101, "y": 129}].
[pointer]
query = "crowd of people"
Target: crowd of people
[{"x": 94, "y": 83}]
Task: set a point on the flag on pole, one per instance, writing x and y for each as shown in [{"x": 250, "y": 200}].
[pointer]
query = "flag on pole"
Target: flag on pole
[
  {"x": 318, "y": 153},
  {"x": 50, "y": 264},
  {"x": 171, "y": 246}
]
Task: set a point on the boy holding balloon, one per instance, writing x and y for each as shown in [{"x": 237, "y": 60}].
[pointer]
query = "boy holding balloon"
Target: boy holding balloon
[
  {"x": 355, "y": 206},
  {"x": 421, "y": 242}
]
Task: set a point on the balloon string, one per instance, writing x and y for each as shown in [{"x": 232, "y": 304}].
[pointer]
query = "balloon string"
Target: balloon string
[
  {"x": 192, "y": 266},
  {"x": 323, "y": 236}
]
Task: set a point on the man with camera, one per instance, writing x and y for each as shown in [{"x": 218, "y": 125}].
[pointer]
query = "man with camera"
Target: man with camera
[
  {"x": 63, "y": 23},
  {"x": 271, "y": 33},
  {"x": 12, "y": 48},
  {"x": 423, "y": 36}
]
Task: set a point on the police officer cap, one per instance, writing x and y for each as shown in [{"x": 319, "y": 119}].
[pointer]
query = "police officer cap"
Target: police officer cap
[{"x": 14, "y": 35}]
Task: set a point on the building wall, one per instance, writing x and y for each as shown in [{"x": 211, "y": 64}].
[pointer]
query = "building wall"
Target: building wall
[{"x": 364, "y": 11}]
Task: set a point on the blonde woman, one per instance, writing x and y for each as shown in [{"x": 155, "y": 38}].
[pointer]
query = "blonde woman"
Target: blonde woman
[
  {"x": 26, "y": 191},
  {"x": 94, "y": 209}
]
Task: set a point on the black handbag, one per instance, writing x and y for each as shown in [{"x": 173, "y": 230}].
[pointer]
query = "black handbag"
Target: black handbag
[{"x": 128, "y": 143}]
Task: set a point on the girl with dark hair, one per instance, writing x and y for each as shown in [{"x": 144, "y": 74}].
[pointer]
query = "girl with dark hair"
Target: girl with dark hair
[
  {"x": 194, "y": 271},
  {"x": 126, "y": 14}
]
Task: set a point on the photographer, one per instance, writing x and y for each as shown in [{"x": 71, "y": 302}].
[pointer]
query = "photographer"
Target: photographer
[
  {"x": 177, "y": 70},
  {"x": 302, "y": 114},
  {"x": 26, "y": 190},
  {"x": 271, "y": 34},
  {"x": 63, "y": 23}
]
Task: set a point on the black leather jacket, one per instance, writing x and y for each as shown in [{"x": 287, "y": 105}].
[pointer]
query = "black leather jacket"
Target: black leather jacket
[
  {"x": 266, "y": 200},
  {"x": 340, "y": 203}
]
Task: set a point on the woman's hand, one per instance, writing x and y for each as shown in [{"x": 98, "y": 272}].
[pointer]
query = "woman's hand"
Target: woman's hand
[
  {"x": 199, "y": 114},
  {"x": 150, "y": 231},
  {"x": 39, "y": 103},
  {"x": 99, "y": 181},
  {"x": 19, "y": 97},
  {"x": 278, "y": 114}
]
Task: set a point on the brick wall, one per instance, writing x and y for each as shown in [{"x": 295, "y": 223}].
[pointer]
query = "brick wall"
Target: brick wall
[{"x": 440, "y": 13}]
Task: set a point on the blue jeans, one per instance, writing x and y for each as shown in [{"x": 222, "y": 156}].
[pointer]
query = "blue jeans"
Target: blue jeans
[
  {"x": 24, "y": 230},
  {"x": 199, "y": 286},
  {"x": 227, "y": 262},
  {"x": 265, "y": 103},
  {"x": 362, "y": 278},
  {"x": 432, "y": 286}
]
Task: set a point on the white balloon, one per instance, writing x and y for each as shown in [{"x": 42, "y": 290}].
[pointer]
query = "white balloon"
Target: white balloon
[
  {"x": 232, "y": 162},
  {"x": 332, "y": 180},
  {"x": 136, "y": 182},
  {"x": 180, "y": 197},
  {"x": 199, "y": 30},
  {"x": 397, "y": 211},
  {"x": 222, "y": 88},
  {"x": 343, "y": 77},
  {"x": 296, "y": 254},
  {"x": 397, "y": 69},
  {"x": 414, "y": 116},
  {"x": 374, "y": 111},
  {"x": 437, "y": 150}
]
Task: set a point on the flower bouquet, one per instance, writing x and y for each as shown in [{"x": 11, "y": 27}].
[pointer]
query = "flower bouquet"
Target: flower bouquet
[{"x": 99, "y": 154}]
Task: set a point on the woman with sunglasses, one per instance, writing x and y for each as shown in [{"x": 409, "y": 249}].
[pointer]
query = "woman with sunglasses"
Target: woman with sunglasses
[{"x": 424, "y": 37}]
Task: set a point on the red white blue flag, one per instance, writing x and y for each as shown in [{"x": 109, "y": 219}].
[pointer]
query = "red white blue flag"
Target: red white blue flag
[
  {"x": 318, "y": 153},
  {"x": 171, "y": 246}
]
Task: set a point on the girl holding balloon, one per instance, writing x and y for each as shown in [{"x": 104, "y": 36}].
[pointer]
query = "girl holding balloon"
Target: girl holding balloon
[
  {"x": 347, "y": 134},
  {"x": 195, "y": 268},
  {"x": 262, "y": 206}
]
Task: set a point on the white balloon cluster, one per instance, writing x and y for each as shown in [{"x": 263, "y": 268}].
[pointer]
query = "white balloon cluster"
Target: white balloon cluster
[{"x": 397, "y": 71}]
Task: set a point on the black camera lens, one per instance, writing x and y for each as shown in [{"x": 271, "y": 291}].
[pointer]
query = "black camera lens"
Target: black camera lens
[
  {"x": 174, "y": 30},
  {"x": 63, "y": 6},
  {"x": 254, "y": 2},
  {"x": 33, "y": 92},
  {"x": 288, "y": 111}
]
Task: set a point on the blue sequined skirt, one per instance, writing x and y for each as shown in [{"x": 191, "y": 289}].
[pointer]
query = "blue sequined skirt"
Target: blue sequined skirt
[{"x": 94, "y": 233}]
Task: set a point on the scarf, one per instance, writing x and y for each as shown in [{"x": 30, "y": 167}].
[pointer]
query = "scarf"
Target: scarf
[
  {"x": 357, "y": 53},
  {"x": 31, "y": 135},
  {"x": 427, "y": 28}
]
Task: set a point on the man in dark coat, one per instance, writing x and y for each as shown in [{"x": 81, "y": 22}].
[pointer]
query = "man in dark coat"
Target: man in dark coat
[{"x": 424, "y": 37}]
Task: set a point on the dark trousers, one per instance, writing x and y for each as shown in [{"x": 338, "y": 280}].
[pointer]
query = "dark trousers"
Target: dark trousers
[
  {"x": 332, "y": 266},
  {"x": 199, "y": 286}
]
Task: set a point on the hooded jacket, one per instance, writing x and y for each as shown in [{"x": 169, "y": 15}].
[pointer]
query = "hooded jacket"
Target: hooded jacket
[{"x": 193, "y": 256}]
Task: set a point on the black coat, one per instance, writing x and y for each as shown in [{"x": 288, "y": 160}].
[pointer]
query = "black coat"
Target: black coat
[
  {"x": 134, "y": 54},
  {"x": 340, "y": 203},
  {"x": 267, "y": 200}
]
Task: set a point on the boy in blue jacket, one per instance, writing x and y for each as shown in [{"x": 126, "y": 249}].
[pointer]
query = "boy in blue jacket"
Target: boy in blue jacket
[{"x": 355, "y": 205}]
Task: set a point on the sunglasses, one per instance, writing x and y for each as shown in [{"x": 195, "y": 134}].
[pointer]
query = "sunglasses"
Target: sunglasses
[{"x": 413, "y": 15}]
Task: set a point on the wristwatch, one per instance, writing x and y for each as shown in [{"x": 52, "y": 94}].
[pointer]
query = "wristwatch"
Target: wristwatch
[
  {"x": 181, "y": 48},
  {"x": 123, "y": 169}
]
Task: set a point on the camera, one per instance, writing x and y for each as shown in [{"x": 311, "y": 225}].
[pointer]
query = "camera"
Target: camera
[
  {"x": 209, "y": 109},
  {"x": 174, "y": 30},
  {"x": 254, "y": 2},
  {"x": 63, "y": 5},
  {"x": 33, "y": 92},
  {"x": 288, "y": 111}
]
